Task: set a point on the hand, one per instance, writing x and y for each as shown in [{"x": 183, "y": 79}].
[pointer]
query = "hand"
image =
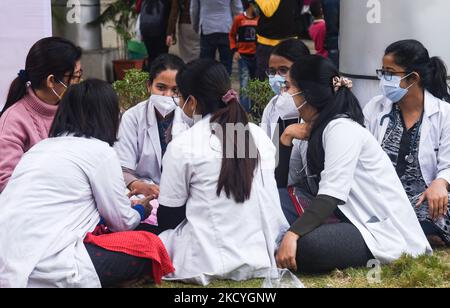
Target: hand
[
  {"x": 296, "y": 131},
  {"x": 286, "y": 256},
  {"x": 142, "y": 188},
  {"x": 236, "y": 56},
  {"x": 148, "y": 208},
  {"x": 437, "y": 197},
  {"x": 170, "y": 40}
]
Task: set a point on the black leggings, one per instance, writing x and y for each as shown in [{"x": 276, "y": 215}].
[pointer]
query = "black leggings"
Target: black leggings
[
  {"x": 330, "y": 247},
  {"x": 114, "y": 268}
]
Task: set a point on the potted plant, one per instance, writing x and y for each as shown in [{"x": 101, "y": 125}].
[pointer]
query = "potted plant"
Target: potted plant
[
  {"x": 132, "y": 89},
  {"x": 260, "y": 93},
  {"x": 122, "y": 15}
]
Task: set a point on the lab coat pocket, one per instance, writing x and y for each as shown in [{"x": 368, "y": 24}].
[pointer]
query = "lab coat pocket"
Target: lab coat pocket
[{"x": 388, "y": 239}]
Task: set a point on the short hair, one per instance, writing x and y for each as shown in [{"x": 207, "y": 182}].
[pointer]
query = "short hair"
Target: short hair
[
  {"x": 316, "y": 8},
  {"x": 89, "y": 109}
]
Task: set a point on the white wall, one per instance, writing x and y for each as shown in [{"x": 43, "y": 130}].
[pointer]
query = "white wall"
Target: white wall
[{"x": 22, "y": 23}]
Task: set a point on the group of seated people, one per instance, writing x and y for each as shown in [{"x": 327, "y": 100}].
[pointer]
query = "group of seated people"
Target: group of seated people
[{"x": 320, "y": 185}]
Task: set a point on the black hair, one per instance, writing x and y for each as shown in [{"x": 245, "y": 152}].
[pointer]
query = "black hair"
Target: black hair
[
  {"x": 245, "y": 4},
  {"x": 292, "y": 49},
  {"x": 163, "y": 63},
  {"x": 89, "y": 109},
  {"x": 49, "y": 56},
  {"x": 208, "y": 81},
  {"x": 316, "y": 8},
  {"x": 314, "y": 75},
  {"x": 414, "y": 57}
]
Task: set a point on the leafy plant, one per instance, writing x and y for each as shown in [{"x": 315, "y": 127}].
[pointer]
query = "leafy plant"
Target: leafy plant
[
  {"x": 123, "y": 16},
  {"x": 132, "y": 89},
  {"x": 260, "y": 93}
]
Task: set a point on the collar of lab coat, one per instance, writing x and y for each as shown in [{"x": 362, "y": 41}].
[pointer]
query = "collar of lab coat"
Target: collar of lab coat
[
  {"x": 431, "y": 104},
  {"x": 152, "y": 130}
]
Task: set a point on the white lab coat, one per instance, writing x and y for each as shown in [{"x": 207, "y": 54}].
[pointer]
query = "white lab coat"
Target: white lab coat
[
  {"x": 219, "y": 239},
  {"x": 138, "y": 145},
  {"x": 434, "y": 147},
  {"x": 358, "y": 172},
  {"x": 55, "y": 197},
  {"x": 270, "y": 117}
]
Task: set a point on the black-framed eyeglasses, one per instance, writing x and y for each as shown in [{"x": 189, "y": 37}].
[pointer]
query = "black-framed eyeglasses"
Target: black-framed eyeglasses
[
  {"x": 282, "y": 71},
  {"x": 75, "y": 77},
  {"x": 387, "y": 75}
]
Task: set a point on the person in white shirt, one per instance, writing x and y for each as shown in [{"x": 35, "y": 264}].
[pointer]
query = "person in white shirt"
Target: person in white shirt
[
  {"x": 145, "y": 129},
  {"x": 72, "y": 180},
  {"x": 411, "y": 120},
  {"x": 278, "y": 113},
  {"x": 353, "y": 179},
  {"x": 219, "y": 205}
]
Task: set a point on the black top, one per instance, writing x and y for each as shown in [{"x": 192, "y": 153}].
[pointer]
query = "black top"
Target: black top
[{"x": 283, "y": 24}]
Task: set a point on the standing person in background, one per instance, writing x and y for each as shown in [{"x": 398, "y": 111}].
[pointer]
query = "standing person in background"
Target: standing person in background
[
  {"x": 51, "y": 66},
  {"x": 278, "y": 21},
  {"x": 154, "y": 21},
  {"x": 213, "y": 20},
  {"x": 331, "y": 11},
  {"x": 318, "y": 29},
  {"x": 243, "y": 46},
  {"x": 188, "y": 41}
]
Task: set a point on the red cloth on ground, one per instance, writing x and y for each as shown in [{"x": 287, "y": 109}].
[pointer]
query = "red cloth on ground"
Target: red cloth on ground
[{"x": 135, "y": 243}]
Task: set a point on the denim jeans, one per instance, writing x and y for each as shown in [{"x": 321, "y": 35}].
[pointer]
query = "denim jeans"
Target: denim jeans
[
  {"x": 211, "y": 43},
  {"x": 247, "y": 71}
]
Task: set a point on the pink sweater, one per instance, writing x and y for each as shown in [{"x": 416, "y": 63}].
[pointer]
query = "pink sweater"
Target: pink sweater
[{"x": 22, "y": 126}]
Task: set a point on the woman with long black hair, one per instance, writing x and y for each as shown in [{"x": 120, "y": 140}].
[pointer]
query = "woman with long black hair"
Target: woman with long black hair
[
  {"x": 350, "y": 177},
  {"x": 51, "y": 66},
  {"x": 218, "y": 193},
  {"x": 411, "y": 120}
]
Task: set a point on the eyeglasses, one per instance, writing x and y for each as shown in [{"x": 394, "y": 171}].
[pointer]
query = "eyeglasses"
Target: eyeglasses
[
  {"x": 387, "y": 75},
  {"x": 76, "y": 78},
  {"x": 282, "y": 71}
]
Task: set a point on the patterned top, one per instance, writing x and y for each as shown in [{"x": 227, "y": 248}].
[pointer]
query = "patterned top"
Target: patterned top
[{"x": 399, "y": 143}]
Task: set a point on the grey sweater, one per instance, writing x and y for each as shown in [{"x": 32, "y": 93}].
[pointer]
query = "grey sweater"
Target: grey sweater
[{"x": 214, "y": 16}]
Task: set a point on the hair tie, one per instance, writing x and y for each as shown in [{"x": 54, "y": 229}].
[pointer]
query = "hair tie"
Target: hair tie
[
  {"x": 23, "y": 75},
  {"x": 339, "y": 82},
  {"x": 231, "y": 95}
]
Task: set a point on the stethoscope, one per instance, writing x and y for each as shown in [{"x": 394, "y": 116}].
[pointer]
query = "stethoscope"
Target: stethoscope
[{"x": 392, "y": 118}]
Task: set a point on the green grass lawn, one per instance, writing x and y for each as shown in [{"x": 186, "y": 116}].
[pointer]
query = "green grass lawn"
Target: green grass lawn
[{"x": 428, "y": 272}]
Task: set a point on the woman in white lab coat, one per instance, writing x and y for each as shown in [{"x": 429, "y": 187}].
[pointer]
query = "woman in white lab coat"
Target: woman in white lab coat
[
  {"x": 353, "y": 179},
  {"x": 411, "y": 120},
  {"x": 145, "y": 129},
  {"x": 219, "y": 202},
  {"x": 71, "y": 180},
  {"x": 278, "y": 114}
]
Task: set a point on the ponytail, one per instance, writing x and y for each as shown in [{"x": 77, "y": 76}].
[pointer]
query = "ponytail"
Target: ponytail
[
  {"x": 209, "y": 83},
  {"x": 49, "y": 56},
  {"x": 236, "y": 174},
  {"x": 17, "y": 91},
  {"x": 438, "y": 85}
]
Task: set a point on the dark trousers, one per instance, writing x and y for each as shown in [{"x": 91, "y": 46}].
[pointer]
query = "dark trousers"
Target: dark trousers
[
  {"x": 156, "y": 46},
  {"x": 115, "y": 268},
  {"x": 217, "y": 42},
  {"x": 247, "y": 72},
  {"x": 262, "y": 60}
]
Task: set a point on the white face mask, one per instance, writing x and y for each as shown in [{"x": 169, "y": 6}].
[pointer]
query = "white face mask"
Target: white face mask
[
  {"x": 286, "y": 107},
  {"x": 187, "y": 119},
  {"x": 62, "y": 94},
  {"x": 164, "y": 104}
]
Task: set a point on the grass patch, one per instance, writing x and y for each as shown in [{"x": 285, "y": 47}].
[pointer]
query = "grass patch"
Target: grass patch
[{"x": 423, "y": 272}]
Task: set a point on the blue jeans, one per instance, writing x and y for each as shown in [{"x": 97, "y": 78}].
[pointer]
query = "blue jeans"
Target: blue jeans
[
  {"x": 211, "y": 43},
  {"x": 247, "y": 71}
]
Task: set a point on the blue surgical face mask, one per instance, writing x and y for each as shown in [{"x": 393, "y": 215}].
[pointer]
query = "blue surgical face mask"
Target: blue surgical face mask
[
  {"x": 277, "y": 83},
  {"x": 392, "y": 89}
]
